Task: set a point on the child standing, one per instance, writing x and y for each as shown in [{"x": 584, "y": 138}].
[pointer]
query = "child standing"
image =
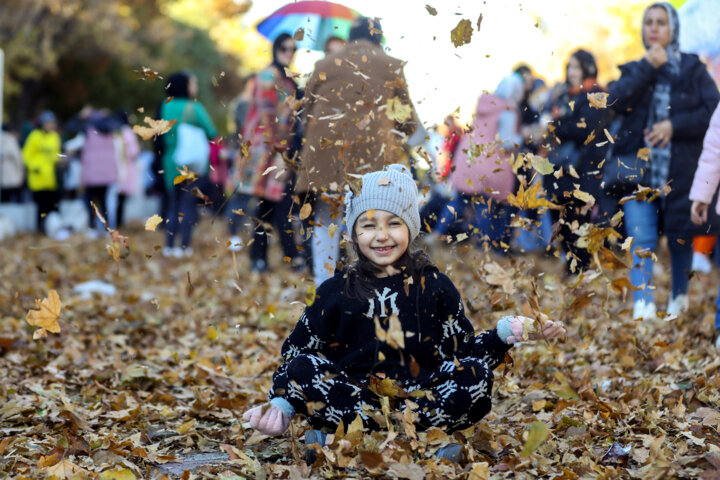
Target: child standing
[{"x": 391, "y": 315}]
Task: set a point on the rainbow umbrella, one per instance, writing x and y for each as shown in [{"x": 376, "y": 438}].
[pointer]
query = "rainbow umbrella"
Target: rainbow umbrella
[{"x": 319, "y": 21}]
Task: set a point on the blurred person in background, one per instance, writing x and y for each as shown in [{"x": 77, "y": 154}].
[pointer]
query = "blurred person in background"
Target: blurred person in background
[
  {"x": 41, "y": 153},
  {"x": 127, "y": 149},
  {"x": 12, "y": 171}
]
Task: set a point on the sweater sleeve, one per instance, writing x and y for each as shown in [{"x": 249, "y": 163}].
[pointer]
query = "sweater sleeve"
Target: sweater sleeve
[
  {"x": 691, "y": 124},
  {"x": 311, "y": 335},
  {"x": 707, "y": 175},
  {"x": 458, "y": 335}
]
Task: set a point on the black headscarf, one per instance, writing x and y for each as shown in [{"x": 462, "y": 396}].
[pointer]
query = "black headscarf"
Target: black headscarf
[
  {"x": 366, "y": 28},
  {"x": 277, "y": 44},
  {"x": 177, "y": 84}
]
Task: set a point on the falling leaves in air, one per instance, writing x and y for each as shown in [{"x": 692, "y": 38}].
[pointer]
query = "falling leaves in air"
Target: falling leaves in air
[
  {"x": 530, "y": 198},
  {"x": 598, "y": 99},
  {"x": 148, "y": 73},
  {"x": 154, "y": 128},
  {"x": 542, "y": 165},
  {"x": 431, "y": 10},
  {"x": 46, "y": 314},
  {"x": 398, "y": 111},
  {"x": 479, "y": 21},
  {"x": 185, "y": 175},
  {"x": 305, "y": 211},
  {"x": 462, "y": 33},
  {"x": 536, "y": 435},
  {"x": 118, "y": 247},
  {"x": 393, "y": 335},
  {"x": 152, "y": 222},
  {"x": 299, "y": 34},
  {"x": 644, "y": 153}
]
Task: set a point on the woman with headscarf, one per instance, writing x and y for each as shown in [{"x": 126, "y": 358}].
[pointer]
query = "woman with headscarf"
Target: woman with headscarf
[
  {"x": 181, "y": 106},
  {"x": 269, "y": 135},
  {"x": 574, "y": 121},
  {"x": 666, "y": 99},
  {"x": 482, "y": 175}
]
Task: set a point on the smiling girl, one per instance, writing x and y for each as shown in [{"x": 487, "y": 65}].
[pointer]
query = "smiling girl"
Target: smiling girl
[{"x": 349, "y": 335}]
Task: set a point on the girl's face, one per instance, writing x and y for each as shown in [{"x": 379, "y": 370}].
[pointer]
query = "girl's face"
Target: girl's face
[
  {"x": 286, "y": 52},
  {"x": 656, "y": 27},
  {"x": 574, "y": 72},
  {"x": 383, "y": 238}
]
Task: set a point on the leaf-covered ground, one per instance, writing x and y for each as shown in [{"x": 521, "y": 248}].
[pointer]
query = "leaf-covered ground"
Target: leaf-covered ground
[{"x": 166, "y": 366}]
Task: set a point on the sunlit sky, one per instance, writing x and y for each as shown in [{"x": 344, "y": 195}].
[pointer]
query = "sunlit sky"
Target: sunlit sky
[{"x": 441, "y": 77}]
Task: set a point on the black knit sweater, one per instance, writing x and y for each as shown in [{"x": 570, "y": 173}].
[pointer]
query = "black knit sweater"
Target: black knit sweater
[{"x": 344, "y": 330}]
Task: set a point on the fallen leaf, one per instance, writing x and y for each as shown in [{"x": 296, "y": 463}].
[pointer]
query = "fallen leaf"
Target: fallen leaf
[
  {"x": 305, "y": 211},
  {"x": 45, "y": 315},
  {"x": 536, "y": 436}
]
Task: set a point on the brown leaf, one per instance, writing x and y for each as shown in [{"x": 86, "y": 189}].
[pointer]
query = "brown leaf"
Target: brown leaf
[
  {"x": 431, "y": 10},
  {"x": 154, "y": 128},
  {"x": 462, "y": 33},
  {"x": 305, "y": 211}
]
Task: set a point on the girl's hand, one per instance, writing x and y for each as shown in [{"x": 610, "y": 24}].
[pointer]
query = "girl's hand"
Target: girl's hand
[
  {"x": 699, "y": 212},
  {"x": 656, "y": 55},
  {"x": 267, "y": 419},
  {"x": 525, "y": 329},
  {"x": 661, "y": 133}
]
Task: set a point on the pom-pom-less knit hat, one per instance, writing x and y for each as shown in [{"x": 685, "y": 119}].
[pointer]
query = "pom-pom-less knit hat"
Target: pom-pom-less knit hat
[{"x": 393, "y": 190}]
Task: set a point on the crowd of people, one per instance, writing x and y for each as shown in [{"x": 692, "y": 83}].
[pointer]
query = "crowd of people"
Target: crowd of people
[{"x": 301, "y": 151}]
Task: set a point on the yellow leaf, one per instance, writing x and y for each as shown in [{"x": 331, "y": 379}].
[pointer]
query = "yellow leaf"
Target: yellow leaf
[
  {"x": 397, "y": 111},
  {"x": 394, "y": 335},
  {"x": 589, "y": 138},
  {"x": 571, "y": 103},
  {"x": 305, "y": 211},
  {"x": 644, "y": 153},
  {"x": 212, "y": 333},
  {"x": 46, "y": 315},
  {"x": 480, "y": 471},
  {"x": 584, "y": 196},
  {"x": 598, "y": 99},
  {"x": 530, "y": 198},
  {"x": 185, "y": 427},
  {"x": 152, "y": 222},
  {"x": 536, "y": 435},
  {"x": 462, "y": 33},
  {"x": 332, "y": 228},
  {"x": 310, "y": 295},
  {"x": 64, "y": 469},
  {"x": 156, "y": 127},
  {"x": 185, "y": 175},
  {"x": 117, "y": 474},
  {"x": 609, "y": 137},
  {"x": 542, "y": 165}
]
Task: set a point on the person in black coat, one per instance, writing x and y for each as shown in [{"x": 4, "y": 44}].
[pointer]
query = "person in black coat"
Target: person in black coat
[
  {"x": 574, "y": 123},
  {"x": 666, "y": 100}
]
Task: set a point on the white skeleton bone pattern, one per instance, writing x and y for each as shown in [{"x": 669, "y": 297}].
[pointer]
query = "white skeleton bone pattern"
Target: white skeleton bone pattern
[
  {"x": 478, "y": 390},
  {"x": 438, "y": 417},
  {"x": 447, "y": 388},
  {"x": 381, "y": 298},
  {"x": 332, "y": 414}
]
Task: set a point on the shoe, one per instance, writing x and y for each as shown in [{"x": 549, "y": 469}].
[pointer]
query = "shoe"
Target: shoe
[
  {"x": 313, "y": 437},
  {"x": 177, "y": 252},
  {"x": 236, "y": 244},
  {"x": 644, "y": 310},
  {"x": 701, "y": 263},
  {"x": 452, "y": 452},
  {"x": 678, "y": 304},
  {"x": 167, "y": 252}
]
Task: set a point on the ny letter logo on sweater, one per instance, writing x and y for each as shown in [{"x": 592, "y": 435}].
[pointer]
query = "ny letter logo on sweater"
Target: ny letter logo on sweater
[{"x": 382, "y": 298}]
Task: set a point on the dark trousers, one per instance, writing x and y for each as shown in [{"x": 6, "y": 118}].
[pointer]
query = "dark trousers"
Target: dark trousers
[
  {"x": 276, "y": 214},
  {"x": 182, "y": 214},
  {"x": 11, "y": 195},
  {"x": 46, "y": 201},
  {"x": 573, "y": 212},
  {"x": 120, "y": 215},
  {"x": 96, "y": 195},
  {"x": 461, "y": 394}
]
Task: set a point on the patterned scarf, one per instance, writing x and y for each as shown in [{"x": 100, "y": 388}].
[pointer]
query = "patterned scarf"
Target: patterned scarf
[{"x": 660, "y": 104}]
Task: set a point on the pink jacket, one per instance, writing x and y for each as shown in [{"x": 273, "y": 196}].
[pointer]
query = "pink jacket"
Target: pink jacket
[
  {"x": 127, "y": 149},
  {"x": 99, "y": 163},
  {"x": 480, "y": 166},
  {"x": 707, "y": 175}
]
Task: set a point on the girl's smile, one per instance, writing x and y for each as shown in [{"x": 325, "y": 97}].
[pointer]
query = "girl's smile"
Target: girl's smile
[{"x": 383, "y": 238}]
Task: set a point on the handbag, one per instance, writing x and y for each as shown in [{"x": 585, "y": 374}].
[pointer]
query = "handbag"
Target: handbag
[
  {"x": 621, "y": 174},
  {"x": 192, "y": 149}
]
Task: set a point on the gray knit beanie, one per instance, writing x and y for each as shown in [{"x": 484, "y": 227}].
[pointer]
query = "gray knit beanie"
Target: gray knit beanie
[{"x": 393, "y": 190}]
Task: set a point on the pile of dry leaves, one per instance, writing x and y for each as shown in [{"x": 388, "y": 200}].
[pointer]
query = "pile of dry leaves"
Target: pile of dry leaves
[{"x": 164, "y": 366}]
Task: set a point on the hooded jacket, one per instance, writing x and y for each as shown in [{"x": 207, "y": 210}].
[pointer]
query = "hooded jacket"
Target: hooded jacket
[{"x": 41, "y": 152}]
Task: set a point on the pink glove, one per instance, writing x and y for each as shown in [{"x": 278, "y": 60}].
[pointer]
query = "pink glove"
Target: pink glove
[{"x": 267, "y": 419}]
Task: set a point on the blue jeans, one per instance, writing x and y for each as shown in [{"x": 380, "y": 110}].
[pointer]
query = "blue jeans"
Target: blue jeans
[
  {"x": 493, "y": 222},
  {"x": 182, "y": 214},
  {"x": 641, "y": 223}
]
